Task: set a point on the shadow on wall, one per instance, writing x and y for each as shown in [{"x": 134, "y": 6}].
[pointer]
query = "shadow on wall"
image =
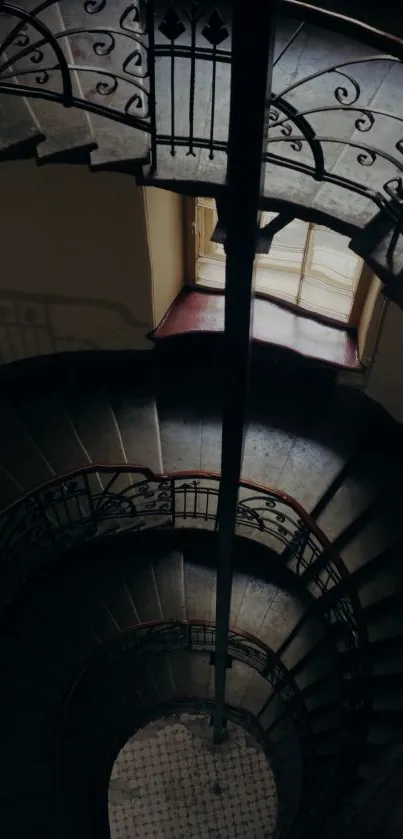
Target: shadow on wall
[{"x": 39, "y": 324}]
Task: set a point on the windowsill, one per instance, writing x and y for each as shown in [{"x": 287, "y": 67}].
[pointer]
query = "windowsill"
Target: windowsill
[{"x": 202, "y": 312}]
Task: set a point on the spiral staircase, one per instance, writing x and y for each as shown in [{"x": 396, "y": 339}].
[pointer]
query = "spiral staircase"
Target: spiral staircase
[
  {"x": 132, "y": 624},
  {"x": 109, "y": 584}
]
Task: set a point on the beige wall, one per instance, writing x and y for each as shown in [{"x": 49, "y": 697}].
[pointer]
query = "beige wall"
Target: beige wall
[
  {"x": 164, "y": 212},
  {"x": 385, "y": 379},
  {"x": 371, "y": 320},
  {"x": 75, "y": 268}
]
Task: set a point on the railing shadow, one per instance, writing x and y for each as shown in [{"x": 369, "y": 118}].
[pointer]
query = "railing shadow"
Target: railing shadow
[{"x": 38, "y": 324}]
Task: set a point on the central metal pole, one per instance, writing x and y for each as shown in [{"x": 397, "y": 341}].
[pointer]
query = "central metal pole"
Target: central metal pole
[{"x": 251, "y": 72}]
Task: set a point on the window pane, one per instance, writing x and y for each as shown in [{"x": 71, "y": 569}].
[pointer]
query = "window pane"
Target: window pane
[
  {"x": 287, "y": 248},
  {"x": 321, "y": 297},
  {"x": 331, "y": 275},
  {"x": 206, "y": 220},
  {"x": 210, "y": 272},
  {"x": 283, "y": 284},
  {"x": 329, "y": 258},
  {"x": 308, "y": 265}
]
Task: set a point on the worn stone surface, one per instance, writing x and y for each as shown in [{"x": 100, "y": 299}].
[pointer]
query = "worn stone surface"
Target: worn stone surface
[{"x": 170, "y": 782}]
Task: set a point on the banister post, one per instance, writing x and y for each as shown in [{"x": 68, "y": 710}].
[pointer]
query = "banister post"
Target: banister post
[{"x": 251, "y": 72}]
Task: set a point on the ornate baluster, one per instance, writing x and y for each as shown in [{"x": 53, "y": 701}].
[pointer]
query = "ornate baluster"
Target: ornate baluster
[
  {"x": 150, "y": 23},
  {"x": 215, "y": 33},
  {"x": 88, "y": 496},
  {"x": 193, "y": 17},
  {"x": 195, "y": 484},
  {"x": 172, "y": 27},
  {"x": 173, "y": 501}
]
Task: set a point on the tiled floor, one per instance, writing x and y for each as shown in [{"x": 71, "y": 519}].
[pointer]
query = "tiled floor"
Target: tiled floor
[{"x": 170, "y": 782}]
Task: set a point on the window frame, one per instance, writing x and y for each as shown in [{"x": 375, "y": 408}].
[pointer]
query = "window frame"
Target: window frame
[{"x": 192, "y": 252}]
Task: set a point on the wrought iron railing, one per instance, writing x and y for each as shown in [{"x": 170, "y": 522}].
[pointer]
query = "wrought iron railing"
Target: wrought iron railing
[
  {"x": 89, "y": 499},
  {"x": 171, "y": 636},
  {"x": 201, "y": 636},
  {"x": 98, "y": 499},
  {"x": 165, "y": 70}
]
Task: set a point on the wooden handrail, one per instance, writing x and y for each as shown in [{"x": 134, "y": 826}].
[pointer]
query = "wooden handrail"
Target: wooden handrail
[
  {"x": 149, "y": 475},
  {"x": 340, "y": 22}
]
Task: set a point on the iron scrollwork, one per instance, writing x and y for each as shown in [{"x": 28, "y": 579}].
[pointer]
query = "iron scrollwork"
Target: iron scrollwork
[
  {"x": 295, "y": 126},
  {"x": 35, "y": 60},
  {"x": 81, "y": 505},
  {"x": 114, "y": 53},
  {"x": 196, "y": 35}
]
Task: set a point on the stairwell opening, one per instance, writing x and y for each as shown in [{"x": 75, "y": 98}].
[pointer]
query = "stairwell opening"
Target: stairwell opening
[{"x": 170, "y": 782}]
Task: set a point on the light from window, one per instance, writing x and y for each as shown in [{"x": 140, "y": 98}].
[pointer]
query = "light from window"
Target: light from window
[{"x": 308, "y": 265}]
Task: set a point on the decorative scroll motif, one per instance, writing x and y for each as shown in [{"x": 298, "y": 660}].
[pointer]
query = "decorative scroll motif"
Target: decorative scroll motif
[
  {"x": 130, "y": 62},
  {"x": 365, "y": 133},
  {"x": 115, "y": 661},
  {"x": 97, "y": 501},
  {"x": 196, "y": 635},
  {"x": 191, "y": 36},
  {"x": 100, "y": 66},
  {"x": 93, "y": 501}
]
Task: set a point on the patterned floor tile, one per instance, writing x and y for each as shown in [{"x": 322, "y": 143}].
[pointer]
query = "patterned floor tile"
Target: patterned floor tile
[{"x": 170, "y": 782}]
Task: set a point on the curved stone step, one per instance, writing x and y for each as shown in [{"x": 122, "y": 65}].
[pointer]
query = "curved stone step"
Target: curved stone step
[
  {"x": 66, "y": 131},
  {"x": 19, "y": 128},
  {"x": 118, "y": 426},
  {"x": 54, "y": 433},
  {"x": 169, "y": 575},
  {"x": 251, "y": 687},
  {"x": 162, "y": 676},
  {"x": 200, "y": 588},
  {"x": 82, "y": 595},
  {"x": 190, "y": 673},
  {"x": 368, "y": 477},
  {"x": 92, "y": 416},
  {"x": 321, "y": 693},
  {"x": 20, "y": 457},
  {"x": 121, "y": 692},
  {"x": 386, "y": 655},
  {"x": 113, "y": 425},
  {"x": 190, "y": 425},
  {"x": 109, "y": 585},
  {"x": 314, "y": 671},
  {"x": 10, "y": 488},
  {"x": 115, "y": 142},
  {"x": 137, "y": 420},
  {"x": 273, "y": 713},
  {"x": 383, "y": 583},
  {"x": 304, "y": 649},
  {"x": 240, "y": 686},
  {"x": 383, "y": 618},
  {"x": 141, "y": 583}
]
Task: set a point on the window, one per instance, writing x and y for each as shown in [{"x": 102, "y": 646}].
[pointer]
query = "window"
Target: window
[{"x": 308, "y": 266}]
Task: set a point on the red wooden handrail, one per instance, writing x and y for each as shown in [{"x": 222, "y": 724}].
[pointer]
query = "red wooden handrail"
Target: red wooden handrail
[
  {"x": 148, "y": 474},
  {"x": 337, "y": 21}
]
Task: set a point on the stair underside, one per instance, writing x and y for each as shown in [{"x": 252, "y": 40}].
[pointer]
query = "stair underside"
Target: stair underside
[{"x": 350, "y": 110}]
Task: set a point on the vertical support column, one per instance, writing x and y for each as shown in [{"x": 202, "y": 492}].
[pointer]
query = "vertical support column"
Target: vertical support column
[{"x": 252, "y": 57}]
